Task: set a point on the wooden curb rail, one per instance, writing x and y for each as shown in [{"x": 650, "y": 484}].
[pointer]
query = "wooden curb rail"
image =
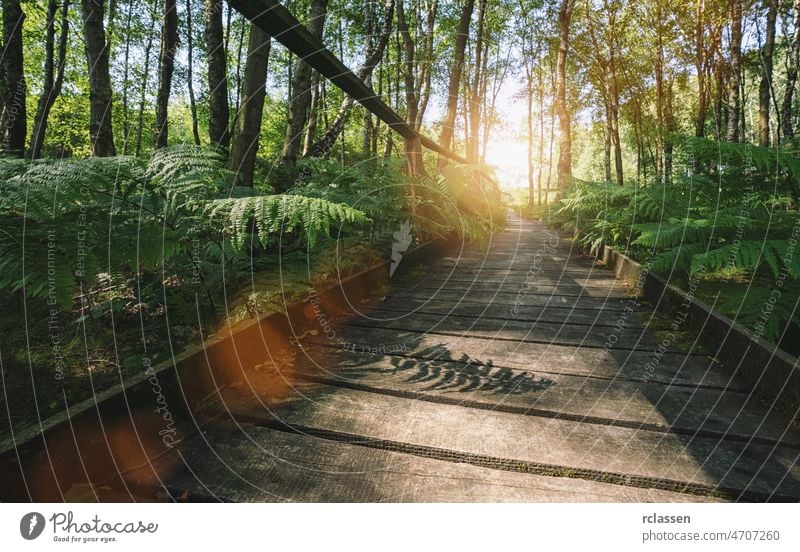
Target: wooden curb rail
[{"x": 773, "y": 373}]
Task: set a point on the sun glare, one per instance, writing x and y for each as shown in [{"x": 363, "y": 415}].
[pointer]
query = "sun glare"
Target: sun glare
[{"x": 509, "y": 157}]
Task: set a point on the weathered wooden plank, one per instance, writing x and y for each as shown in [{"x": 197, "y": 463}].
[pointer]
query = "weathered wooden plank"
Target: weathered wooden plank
[
  {"x": 555, "y": 314},
  {"x": 275, "y": 466},
  {"x": 509, "y": 286},
  {"x": 509, "y": 298},
  {"x": 678, "y": 368},
  {"x": 713, "y": 412},
  {"x": 516, "y": 278},
  {"x": 590, "y": 335},
  {"x": 732, "y": 466},
  {"x": 520, "y": 278},
  {"x": 519, "y": 269}
]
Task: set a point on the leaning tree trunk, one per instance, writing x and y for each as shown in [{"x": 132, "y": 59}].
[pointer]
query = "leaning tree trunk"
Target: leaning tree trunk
[
  {"x": 301, "y": 88},
  {"x": 216, "y": 53},
  {"x": 14, "y": 120},
  {"x": 735, "y": 83},
  {"x": 54, "y": 63},
  {"x": 101, "y": 130},
  {"x": 564, "y": 119},
  {"x": 248, "y": 129},
  {"x": 166, "y": 67},
  {"x": 326, "y": 142}
]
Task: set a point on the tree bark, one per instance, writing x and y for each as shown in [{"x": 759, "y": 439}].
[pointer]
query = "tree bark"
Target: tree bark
[
  {"x": 14, "y": 120},
  {"x": 735, "y": 63},
  {"x": 425, "y": 72},
  {"x": 166, "y": 67},
  {"x": 248, "y": 128},
  {"x": 301, "y": 88},
  {"x": 145, "y": 79},
  {"x": 326, "y": 142},
  {"x": 462, "y": 34},
  {"x": 474, "y": 106},
  {"x": 659, "y": 77},
  {"x": 765, "y": 85},
  {"x": 126, "y": 123},
  {"x": 793, "y": 56},
  {"x": 700, "y": 68},
  {"x": 564, "y": 118},
  {"x": 53, "y": 74},
  {"x": 540, "y": 168},
  {"x": 412, "y": 147},
  {"x": 101, "y": 129},
  {"x": 190, "y": 72},
  {"x": 527, "y": 62},
  {"x": 311, "y": 127},
  {"x": 216, "y": 53}
]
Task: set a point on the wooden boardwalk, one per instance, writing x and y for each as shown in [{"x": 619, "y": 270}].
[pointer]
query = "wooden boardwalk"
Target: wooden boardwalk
[{"x": 522, "y": 373}]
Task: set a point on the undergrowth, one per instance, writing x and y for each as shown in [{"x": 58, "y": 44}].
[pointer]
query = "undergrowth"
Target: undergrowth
[
  {"x": 731, "y": 220},
  {"x": 110, "y": 264}
]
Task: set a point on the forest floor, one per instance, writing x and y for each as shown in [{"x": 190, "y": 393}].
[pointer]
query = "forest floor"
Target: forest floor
[{"x": 524, "y": 372}]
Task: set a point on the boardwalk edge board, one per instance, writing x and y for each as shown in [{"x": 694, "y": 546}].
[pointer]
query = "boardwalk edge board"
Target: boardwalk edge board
[
  {"x": 189, "y": 377},
  {"x": 773, "y": 373}
]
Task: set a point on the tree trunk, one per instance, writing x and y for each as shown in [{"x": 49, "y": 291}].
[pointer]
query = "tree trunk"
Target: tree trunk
[
  {"x": 216, "y": 53},
  {"x": 53, "y": 74},
  {"x": 699, "y": 64},
  {"x": 614, "y": 105},
  {"x": 540, "y": 168},
  {"x": 101, "y": 129},
  {"x": 14, "y": 120},
  {"x": 474, "y": 105},
  {"x": 793, "y": 56},
  {"x": 313, "y": 116},
  {"x": 564, "y": 118},
  {"x": 126, "y": 123},
  {"x": 607, "y": 142},
  {"x": 669, "y": 122},
  {"x": 462, "y": 34},
  {"x": 145, "y": 79},
  {"x": 248, "y": 129},
  {"x": 552, "y": 132},
  {"x": 425, "y": 77},
  {"x": 527, "y": 62},
  {"x": 369, "y": 39},
  {"x": 190, "y": 72},
  {"x": 322, "y": 146},
  {"x": 413, "y": 148},
  {"x": 166, "y": 67},
  {"x": 301, "y": 88},
  {"x": 659, "y": 77},
  {"x": 765, "y": 85},
  {"x": 735, "y": 62}
]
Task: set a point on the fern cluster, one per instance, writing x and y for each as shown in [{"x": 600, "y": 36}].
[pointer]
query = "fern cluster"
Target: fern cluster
[
  {"x": 733, "y": 217},
  {"x": 66, "y": 223}
]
